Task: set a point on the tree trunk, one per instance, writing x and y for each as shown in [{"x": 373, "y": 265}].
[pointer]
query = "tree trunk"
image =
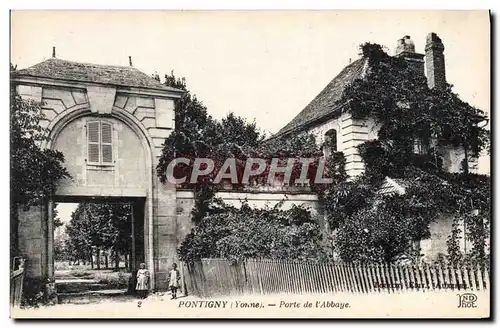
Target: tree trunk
[
  {"x": 117, "y": 261},
  {"x": 466, "y": 160},
  {"x": 91, "y": 261},
  {"x": 98, "y": 259},
  {"x": 106, "y": 260},
  {"x": 126, "y": 262}
]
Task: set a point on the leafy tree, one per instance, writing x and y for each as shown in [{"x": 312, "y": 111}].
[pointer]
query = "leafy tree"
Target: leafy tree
[
  {"x": 197, "y": 134},
  {"x": 99, "y": 226},
  {"x": 237, "y": 131},
  {"x": 34, "y": 172},
  {"x": 81, "y": 230},
  {"x": 191, "y": 123},
  {"x": 60, "y": 250},
  {"x": 57, "y": 220},
  {"x": 119, "y": 241}
]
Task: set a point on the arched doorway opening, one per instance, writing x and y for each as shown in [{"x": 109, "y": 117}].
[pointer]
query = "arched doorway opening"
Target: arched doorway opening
[
  {"x": 98, "y": 245},
  {"x": 109, "y": 159}
]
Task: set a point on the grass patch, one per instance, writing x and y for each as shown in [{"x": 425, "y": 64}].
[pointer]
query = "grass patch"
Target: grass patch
[
  {"x": 112, "y": 279},
  {"x": 118, "y": 280},
  {"x": 79, "y": 274}
]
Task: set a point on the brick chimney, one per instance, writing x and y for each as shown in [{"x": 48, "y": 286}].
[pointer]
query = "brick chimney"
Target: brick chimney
[
  {"x": 434, "y": 58},
  {"x": 406, "y": 48}
]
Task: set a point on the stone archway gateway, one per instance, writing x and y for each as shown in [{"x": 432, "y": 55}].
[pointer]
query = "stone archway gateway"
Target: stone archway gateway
[{"x": 110, "y": 123}]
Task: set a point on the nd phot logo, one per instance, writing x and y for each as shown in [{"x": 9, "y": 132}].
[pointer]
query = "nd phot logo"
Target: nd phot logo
[{"x": 467, "y": 300}]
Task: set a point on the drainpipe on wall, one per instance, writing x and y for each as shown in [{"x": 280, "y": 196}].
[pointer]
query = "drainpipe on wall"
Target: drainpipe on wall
[{"x": 150, "y": 229}]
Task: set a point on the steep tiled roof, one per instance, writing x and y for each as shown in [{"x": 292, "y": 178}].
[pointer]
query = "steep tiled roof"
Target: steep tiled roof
[
  {"x": 59, "y": 69},
  {"x": 325, "y": 103}
]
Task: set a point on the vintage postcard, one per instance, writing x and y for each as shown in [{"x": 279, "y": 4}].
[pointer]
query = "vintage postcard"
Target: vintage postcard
[{"x": 250, "y": 164}]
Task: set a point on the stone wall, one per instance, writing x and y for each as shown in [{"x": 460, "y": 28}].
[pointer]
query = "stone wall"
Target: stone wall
[
  {"x": 32, "y": 232},
  {"x": 436, "y": 244},
  {"x": 165, "y": 232},
  {"x": 185, "y": 202},
  {"x": 155, "y": 114},
  {"x": 440, "y": 230}
]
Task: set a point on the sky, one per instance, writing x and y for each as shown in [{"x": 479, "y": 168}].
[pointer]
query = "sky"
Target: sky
[{"x": 262, "y": 65}]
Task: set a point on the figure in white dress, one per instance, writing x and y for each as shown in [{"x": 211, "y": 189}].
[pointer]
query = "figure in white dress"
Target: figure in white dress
[
  {"x": 173, "y": 280},
  {"x": 142, "y": 281}
]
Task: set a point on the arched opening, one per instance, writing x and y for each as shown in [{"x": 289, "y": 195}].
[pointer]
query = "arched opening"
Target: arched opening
[
  {"x": 110, "y": 158},
  {"x": 98, "y": 244}
]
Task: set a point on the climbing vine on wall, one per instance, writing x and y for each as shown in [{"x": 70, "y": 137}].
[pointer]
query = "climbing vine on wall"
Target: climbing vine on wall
[
  {"x": 408, "y": 114},
  {"x": 246, "y": 232}
]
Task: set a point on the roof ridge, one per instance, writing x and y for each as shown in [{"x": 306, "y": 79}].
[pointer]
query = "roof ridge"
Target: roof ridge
[
  {"x": 84, "y": 63},
  {"x": 309, "y": 114},
  {"x": 67, "y": 70}
]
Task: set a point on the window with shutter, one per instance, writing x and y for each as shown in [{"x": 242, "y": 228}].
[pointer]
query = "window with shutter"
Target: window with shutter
[
  {"x": 106, "y": 143},
  {"x": 93, "y": 142},
  {"x": 100, "y": 143}
]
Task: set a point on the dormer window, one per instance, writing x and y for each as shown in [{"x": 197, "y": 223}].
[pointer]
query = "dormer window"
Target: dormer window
[{"x": 99, "y": 142}]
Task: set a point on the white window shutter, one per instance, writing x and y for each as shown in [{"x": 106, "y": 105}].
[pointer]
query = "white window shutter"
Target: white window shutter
[
  {"x": 93, "y": 141},
  {"x": 107, "y": 142},
  {"x": 106, "y": 132}
]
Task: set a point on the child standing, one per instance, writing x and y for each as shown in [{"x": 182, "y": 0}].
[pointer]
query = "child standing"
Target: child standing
[
  {"x": 142, "y": 281},
  {"x": 173, "y": 280}
]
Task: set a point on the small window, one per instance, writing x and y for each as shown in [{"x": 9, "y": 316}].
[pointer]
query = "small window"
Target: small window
[
  {"x": 420, "y": 146},
  {"x": 100, "y": 142},
  {"x": 330, "y": 145}
]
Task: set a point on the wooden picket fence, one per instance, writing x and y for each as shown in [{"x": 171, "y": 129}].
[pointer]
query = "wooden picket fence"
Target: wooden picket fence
[
  {"x": 215, "y": 277},
  {"x": 16, "y": 283}
]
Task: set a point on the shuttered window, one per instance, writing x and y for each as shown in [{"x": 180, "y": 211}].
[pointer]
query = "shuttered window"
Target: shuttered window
[
  {"x": 106, "y": 142},
  {"x": 93, "y": 138},
  {"x": 100, "y": 142}
]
